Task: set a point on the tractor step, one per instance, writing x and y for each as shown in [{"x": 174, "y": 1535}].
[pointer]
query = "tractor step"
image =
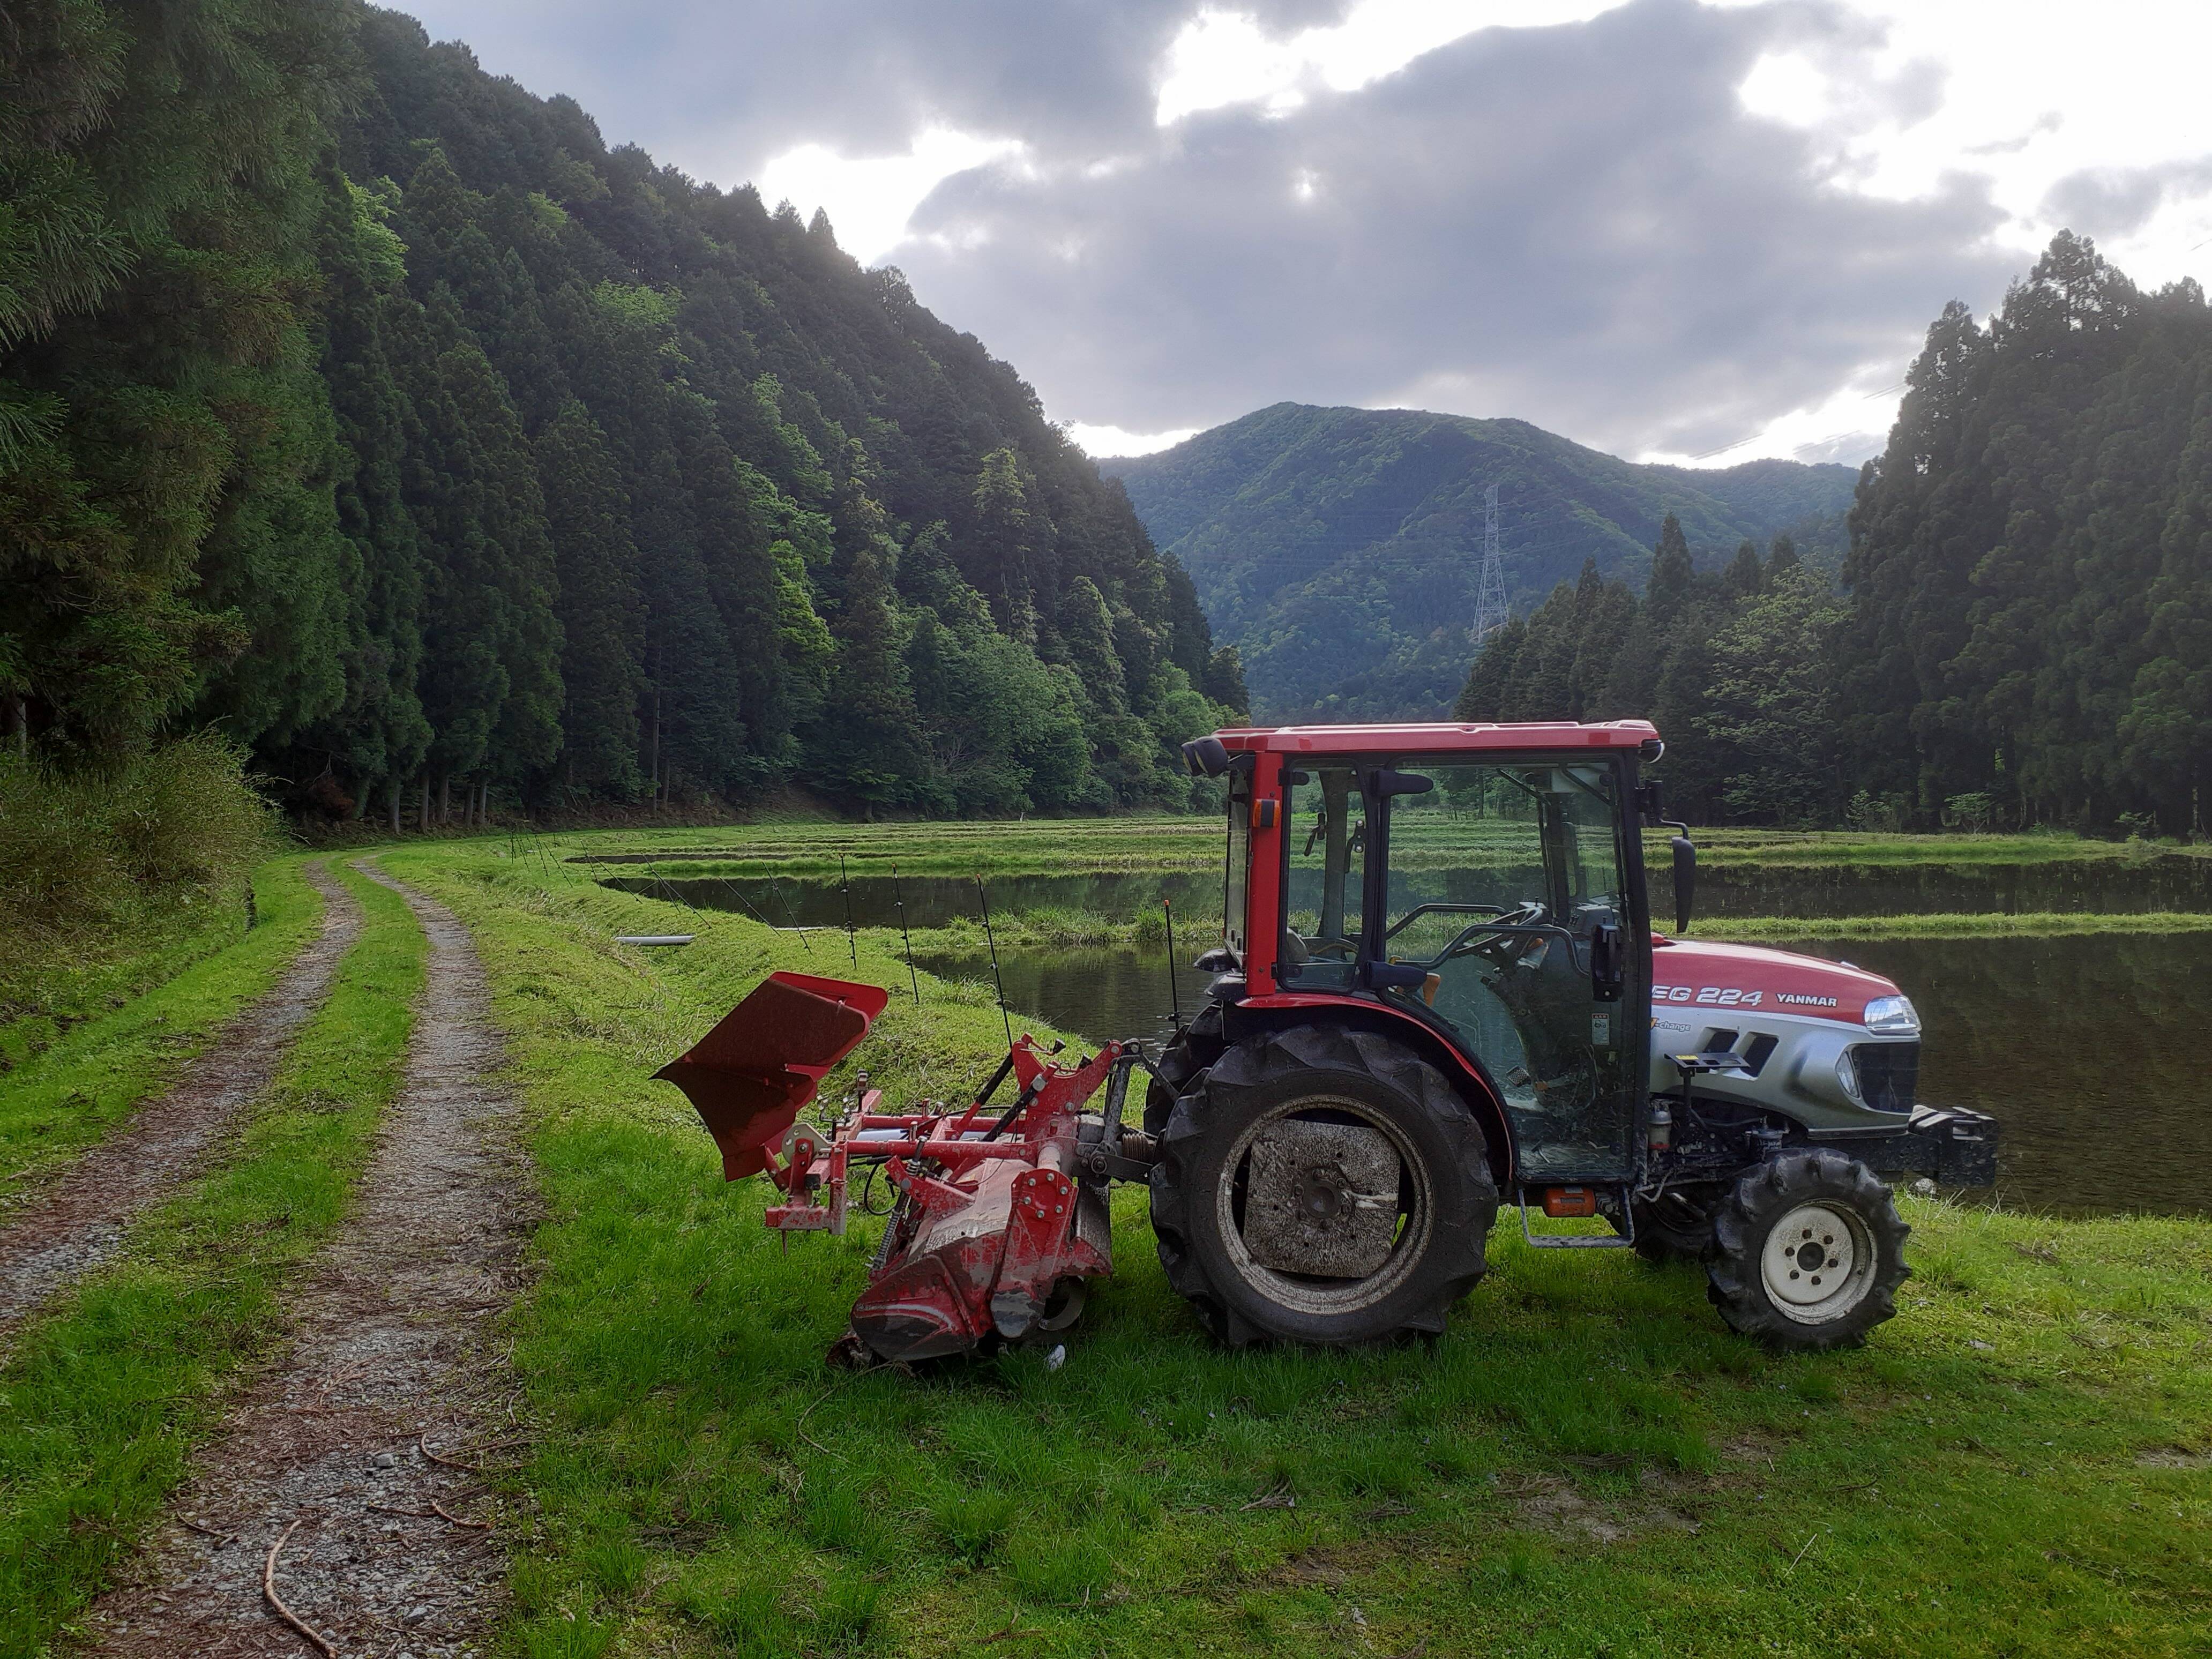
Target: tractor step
[{"x": 1564, "y": 1202}]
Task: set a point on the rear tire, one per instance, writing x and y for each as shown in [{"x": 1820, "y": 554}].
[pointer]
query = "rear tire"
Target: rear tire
[
  {"x": 1313, "y": 1076},
  {"x": 1808, "y": 1252}
]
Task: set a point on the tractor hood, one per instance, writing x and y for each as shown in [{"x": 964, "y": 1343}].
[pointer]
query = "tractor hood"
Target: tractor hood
[{"x": 1697, "y": 973}]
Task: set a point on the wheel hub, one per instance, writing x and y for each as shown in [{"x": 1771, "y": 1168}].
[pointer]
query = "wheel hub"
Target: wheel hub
[
  {"x": 1818, "y": 1262},
  {"x": 1321, "y": 1195}
]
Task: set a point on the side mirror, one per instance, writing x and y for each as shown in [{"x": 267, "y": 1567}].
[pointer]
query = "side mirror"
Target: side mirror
[
  {"x": 1206, "y": 757},
  {"x": 1686, "y": 876}
]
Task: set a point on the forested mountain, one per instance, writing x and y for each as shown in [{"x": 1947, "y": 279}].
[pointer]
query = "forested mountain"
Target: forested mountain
[
  {"x": 2024, "y": 634},
  {"x": 375, "y": 409},
  {"x": 1337, "y": 548}
]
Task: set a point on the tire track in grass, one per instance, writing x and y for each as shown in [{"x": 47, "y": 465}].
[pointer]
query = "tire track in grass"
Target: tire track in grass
[
  {"x": 77, "y": 1219},
  {"x": 393, "y": 1386}
]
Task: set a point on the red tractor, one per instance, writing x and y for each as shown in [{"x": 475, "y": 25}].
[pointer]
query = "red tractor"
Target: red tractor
[{"x": 1438, "y": 988}]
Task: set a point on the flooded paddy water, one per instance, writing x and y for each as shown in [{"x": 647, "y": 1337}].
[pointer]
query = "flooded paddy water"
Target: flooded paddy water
[{"x": 2085, "y": 1046}]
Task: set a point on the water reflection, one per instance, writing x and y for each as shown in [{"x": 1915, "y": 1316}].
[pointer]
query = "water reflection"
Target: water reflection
[{"x": 2084, "y": 1048}]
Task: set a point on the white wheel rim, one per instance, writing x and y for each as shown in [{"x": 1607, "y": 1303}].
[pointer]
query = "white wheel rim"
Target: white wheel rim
[{"x": 1818, "y": 1263}]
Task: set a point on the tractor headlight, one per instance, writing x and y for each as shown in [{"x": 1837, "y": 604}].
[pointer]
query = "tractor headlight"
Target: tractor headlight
[
  {"x": 1892, "y": 1017},
  {"x": 1847, "y": 1074}
]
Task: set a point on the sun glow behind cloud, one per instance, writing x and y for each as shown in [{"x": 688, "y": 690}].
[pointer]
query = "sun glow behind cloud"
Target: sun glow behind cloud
[
  {"x": 1223, "y": 56},
  {"x": 871, "y": 198}
]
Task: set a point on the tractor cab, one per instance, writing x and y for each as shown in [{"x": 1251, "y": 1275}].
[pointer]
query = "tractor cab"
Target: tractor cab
[{"x": 1483, "y": 884}]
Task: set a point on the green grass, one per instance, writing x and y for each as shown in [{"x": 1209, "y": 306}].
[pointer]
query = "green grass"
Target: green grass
[
  {"x": 1587, "y": 1463},
  {"x": 1038, "y": 847},
  {"x": 64, "y": 1099},
  {"x": 1852, "y": 847},
  {"x": 1979, "y": 924},
  {"x": 106, "y": 1393},
  {"x": 69, "y": 995},
  {"x": 1092, "y": 845},
  {"x": 1050, "y": 929}
]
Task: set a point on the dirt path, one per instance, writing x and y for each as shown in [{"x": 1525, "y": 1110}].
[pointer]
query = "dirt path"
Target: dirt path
[
  {"x": 77, "y": 1217},
  {"x": 390, "y": 1345}
]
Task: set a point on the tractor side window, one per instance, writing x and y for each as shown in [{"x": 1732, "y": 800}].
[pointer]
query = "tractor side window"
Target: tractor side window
[{"x": 1325, "y": 863}]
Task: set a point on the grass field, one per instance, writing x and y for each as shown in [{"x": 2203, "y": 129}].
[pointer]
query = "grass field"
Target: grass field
[
  {"x": 68, "y": 1093},
  {"x": 1046, "y": 846},
  {"x": 2021, "y": 1463},
  {"x": 107, "y": 1392}
]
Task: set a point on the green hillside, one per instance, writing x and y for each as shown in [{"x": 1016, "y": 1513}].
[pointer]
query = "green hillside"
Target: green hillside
[
  {"x": 1336, "y": 548},
  {"x": 378, "y": 412}
]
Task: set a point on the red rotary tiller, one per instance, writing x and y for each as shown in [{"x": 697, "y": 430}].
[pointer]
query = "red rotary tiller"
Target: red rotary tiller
[{"x": 991, "y": 1237}]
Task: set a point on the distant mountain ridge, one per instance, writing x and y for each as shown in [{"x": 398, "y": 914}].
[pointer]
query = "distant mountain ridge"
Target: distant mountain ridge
[{"x": 1338, "y": 549}]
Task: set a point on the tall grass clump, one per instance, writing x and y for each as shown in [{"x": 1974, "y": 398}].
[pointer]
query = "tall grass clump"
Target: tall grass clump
[{"x": 123, "y": 860}]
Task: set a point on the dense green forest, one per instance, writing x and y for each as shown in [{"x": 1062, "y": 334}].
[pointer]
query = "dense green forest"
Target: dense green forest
[
  {"x": 2023, "y": 633},
  {"x": 375, "y": 413},
  {"x": 1336, "y": 548}
]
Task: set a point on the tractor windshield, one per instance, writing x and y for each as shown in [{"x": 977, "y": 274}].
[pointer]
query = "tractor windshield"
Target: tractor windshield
[{"x": 1505, "y": 884}]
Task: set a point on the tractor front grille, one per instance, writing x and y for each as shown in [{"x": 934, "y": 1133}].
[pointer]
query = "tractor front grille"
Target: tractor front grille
[{"x": 1889, "y": 1074}]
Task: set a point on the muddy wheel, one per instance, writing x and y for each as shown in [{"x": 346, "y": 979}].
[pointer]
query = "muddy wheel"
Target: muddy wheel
[
  {"x": 1807, "y": 1252},
  {"x": 1321, "y": 1185}
]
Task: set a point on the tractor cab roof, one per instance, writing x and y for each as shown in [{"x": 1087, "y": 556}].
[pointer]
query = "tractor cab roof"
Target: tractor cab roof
[{"x": 1440, "y": 737}]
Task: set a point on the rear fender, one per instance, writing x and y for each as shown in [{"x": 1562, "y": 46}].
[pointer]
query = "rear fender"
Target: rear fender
[{"x": 1285, "y": 1009}]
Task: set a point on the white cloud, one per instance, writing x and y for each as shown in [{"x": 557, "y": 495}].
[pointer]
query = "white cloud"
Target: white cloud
[
  {"x": 870, "y": 198},
  {"x": 2021, "y": 94},
  {"x": 1099, "y": 441},
  {"x": 1223, "y": 57}
]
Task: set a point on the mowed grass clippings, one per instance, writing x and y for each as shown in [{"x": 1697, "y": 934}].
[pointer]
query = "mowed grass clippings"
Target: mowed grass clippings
[
  {"x": 1587, "y": 1463},
  {"x": 105, "y": 1395},
  {"x": 67, "y": 1097}
]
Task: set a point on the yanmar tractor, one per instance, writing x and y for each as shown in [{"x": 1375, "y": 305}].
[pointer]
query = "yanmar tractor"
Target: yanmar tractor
[{"x": 1438, "y": 988}]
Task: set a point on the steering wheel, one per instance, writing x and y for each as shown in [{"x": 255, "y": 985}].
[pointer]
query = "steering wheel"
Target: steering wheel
[{"x": 1484, "y": 936}]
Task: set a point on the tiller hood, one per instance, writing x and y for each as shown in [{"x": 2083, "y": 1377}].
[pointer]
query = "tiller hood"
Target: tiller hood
[
  {"x": 991, "y": 1235},
  {"x": 752, "y": 1075}
]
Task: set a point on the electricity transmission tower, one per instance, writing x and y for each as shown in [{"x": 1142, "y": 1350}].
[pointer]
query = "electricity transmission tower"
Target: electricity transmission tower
[{"x": 1490, "y": 611}]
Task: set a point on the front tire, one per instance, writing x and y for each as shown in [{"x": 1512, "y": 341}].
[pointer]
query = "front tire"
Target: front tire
[
  {"x": 1274, "y": 1208},
  {"x": 1807, "y": 1252}
]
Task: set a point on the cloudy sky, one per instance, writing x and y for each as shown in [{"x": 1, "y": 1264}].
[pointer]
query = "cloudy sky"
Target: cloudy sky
[{"x": 1673, "y": 230}]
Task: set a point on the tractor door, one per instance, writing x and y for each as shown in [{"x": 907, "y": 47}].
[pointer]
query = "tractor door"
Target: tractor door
[{"x": 1506, "y": 919}]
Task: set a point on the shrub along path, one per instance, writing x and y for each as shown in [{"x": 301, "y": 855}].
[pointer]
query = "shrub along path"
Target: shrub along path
[
  {"x": 357, "y": 1454},
  {"x": 78, "y": 1219}
]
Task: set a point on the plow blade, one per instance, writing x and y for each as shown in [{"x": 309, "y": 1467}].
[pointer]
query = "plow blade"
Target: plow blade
[{"x": 751, "y": 1077}]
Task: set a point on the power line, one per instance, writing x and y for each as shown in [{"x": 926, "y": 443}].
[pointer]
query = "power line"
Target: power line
[{"x": 1490, "y": 608}]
